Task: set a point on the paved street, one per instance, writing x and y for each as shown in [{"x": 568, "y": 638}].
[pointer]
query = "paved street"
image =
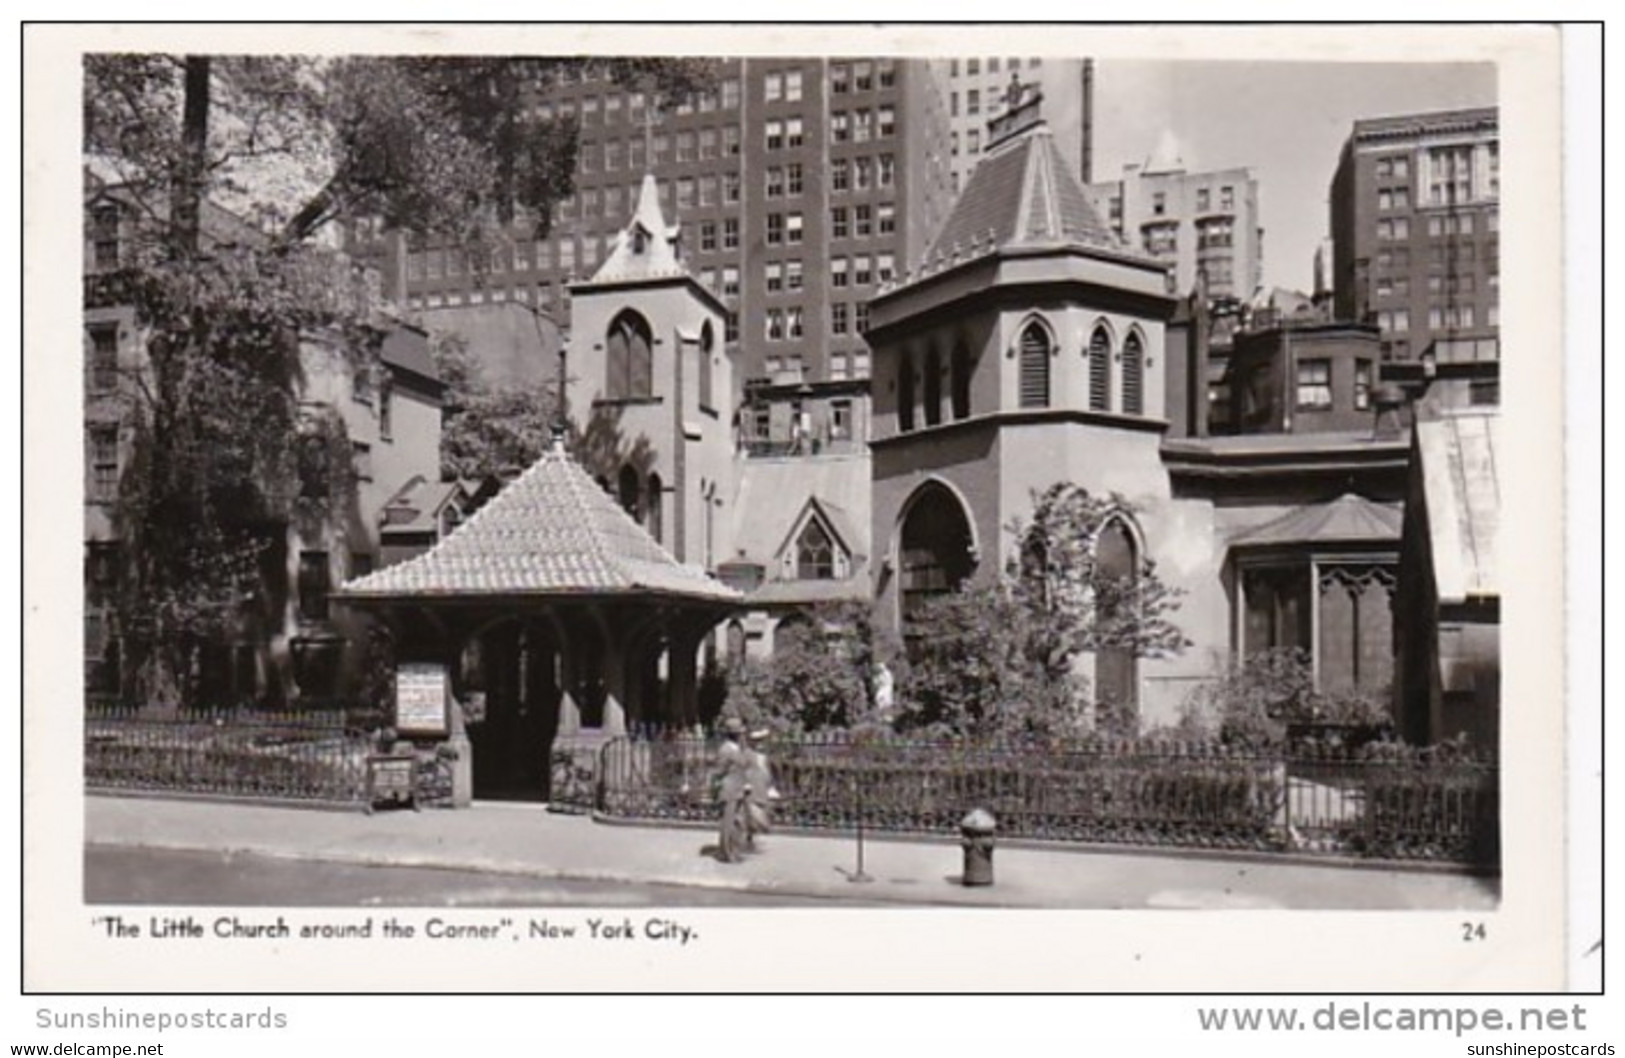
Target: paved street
[
  {"x": 507, "y": 841},
  {"x": 148, "y": 876}
]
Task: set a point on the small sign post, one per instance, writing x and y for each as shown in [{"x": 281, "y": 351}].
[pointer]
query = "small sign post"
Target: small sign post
[{"x": 422, "y": 695}]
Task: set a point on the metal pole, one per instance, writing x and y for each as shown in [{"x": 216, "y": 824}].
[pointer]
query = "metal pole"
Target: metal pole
[{"x": 857, "y": 797}]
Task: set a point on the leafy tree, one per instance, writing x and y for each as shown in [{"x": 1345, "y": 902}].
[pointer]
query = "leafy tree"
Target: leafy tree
[
  {"x": 487, "y": 430},
  {"x": 1004, "y": 659},
  {"x": 817, "y": 676},
  {"x": 227, "y": 170},
  {"x": 1256, "y": 700}
]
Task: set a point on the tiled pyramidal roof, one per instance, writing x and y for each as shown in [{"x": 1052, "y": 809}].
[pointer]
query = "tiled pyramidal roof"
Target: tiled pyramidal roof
[
  {"x": 551, "y": 532},
  {"x": 1347, "y": 519},
  {"x": 1022, "y": 194}
]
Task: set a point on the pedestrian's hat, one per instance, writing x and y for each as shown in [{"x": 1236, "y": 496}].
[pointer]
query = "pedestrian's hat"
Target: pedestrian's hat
[{"x": 733, "y": 726}]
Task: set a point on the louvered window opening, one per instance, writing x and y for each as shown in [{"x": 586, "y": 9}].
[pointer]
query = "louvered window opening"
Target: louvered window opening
[
  {"x": 1035, "y": 352},
  {"x": 1100, "y": 351},
  {"x": 1133, "y": 376}
]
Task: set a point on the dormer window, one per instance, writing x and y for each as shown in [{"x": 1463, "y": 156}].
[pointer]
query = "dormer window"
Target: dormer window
[{"x": 640, "y": 240}]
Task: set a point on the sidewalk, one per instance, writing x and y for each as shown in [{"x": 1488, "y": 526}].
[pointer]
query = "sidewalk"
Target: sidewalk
[{"x": 528, "y": 840}]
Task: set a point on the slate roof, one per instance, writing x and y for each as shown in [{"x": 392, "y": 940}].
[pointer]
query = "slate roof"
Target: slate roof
[
  {"x": 552, "y": 532},
  {"x": 1021, "y": 194},
  {"x": 1461, "y": 488},
  {"x": 1349, "y": 519}
]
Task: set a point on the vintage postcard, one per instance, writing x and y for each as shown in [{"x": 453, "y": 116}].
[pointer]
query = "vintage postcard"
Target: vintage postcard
[{"x": 1047, "y": 508}]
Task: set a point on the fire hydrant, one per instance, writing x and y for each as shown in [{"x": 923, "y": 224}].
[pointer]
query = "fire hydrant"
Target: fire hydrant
[{"x": 976, "y": 838}]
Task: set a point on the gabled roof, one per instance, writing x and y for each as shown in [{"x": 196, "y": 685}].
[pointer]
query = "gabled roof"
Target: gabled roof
[
  {"x": 1456, "y": 455},
  {"x": 552, "y": 532},
  {"x": 1021, "y": 194},
  {"x": 1349, "y": 519},
  {"x": 772, "y": 494},
  {"x": 416, "y": 507},
  {"x": 647, "y": 247},
  {"x": 835, "y": 518}
]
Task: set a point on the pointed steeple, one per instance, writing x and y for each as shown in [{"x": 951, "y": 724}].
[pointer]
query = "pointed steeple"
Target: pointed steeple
[{"x": 647, "y": 247}]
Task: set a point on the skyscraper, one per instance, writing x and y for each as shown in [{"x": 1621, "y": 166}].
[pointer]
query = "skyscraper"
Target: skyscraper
[
  {"x": 799, "y": 184},
  {"x": 1415, "y": 222},
  {"x": 1206, "y": 224}
]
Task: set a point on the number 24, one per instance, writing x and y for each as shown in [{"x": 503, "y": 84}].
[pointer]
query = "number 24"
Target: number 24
[{"x": 1471, "y": 931}]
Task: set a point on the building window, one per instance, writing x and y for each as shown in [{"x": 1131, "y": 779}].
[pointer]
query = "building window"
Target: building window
[
  {"x": 1203, "y": 200},
  {"x": 1314, "y": 385},
  {"x": 838, "y": 225},
  {"x": 863, "y": 125},
  {"x": 840, "y": 126},
  {"x": 888, "y": 72},
  {"x": 775, "y": 135},
  {"x": 1159, "y": 203},
  {"x": 862, "y": 270},
  {"x": 773, "y": 87},
  {"x": 887, "y": 170},
  {"x": 730, "y": 233},
  {"x": 840, "y": 416},
  {"x": 973, "y": 142},
  {"x": 815, "y": 553},
  {"x": 103, "y": 356},
  {"x": 361, "y": 459},
  {"x": 840, "y": 177},
  {"x": 885, "y": 267},
  {"x": 708, "y": 236},
  {"x": 905, "y": 394},
  {"x": 103, "y": 463},
  {"x": 654, "y": 509},
  {"x": 1362, "y": 385},
  {"x": 386, "y": 410},
  {"x": 730, "y": 281},
  {"x": 315, "y": 584},
  {"x": 792, "y": 275},
  {"x": 863, "y": 220},
  {"x": 1133, "y": 376},
  {"x": 775, "y": 182},
  {"x": 838, "y": 319},
  {"x": 793, "y": 228},
  {"x": 773, "y": 276},
  {"x": 886, "y": 218},
  {"x": 775, "y": 325},
  {"x": 887, "y": 120},
  {"x": 792, "y": 178},
  {"x": 792, "y": 86},
  {"x": 959, "y": 381},
  {"x": 629, "y": 491},
  {"x": 775, "y": 229},
  {"x": 793, "y": 322},
  {"x": 1034, "y": 371},
  {"x": 104, "y": 236},
  {"x": 793, "y": 133},
  {"x": 840, "y": 78},
  {"x": 933, "y": 387},
  {"x": 630, "y": 357},
  {"x": 862, "y": 173},
  {"x": 837, "y": 272},
  {"x": 973, "y": 102}
]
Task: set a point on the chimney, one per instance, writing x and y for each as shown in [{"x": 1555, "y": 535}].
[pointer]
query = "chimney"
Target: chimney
[{"x": 1388, "y": 400}]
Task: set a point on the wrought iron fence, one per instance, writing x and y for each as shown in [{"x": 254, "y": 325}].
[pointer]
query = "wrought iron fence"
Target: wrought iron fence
[
  {"x": 1378, "y": 801},
  {"x": 310, "y": 756}
]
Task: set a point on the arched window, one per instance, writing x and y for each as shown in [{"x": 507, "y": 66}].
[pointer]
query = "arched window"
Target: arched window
[
  {"x": 1100, "y": 370},
  {"x": 1116, "y": 663},
  {"x": 933, "y": 387},
  {"x": 654, "y": 508},
  {"x": 959, "y": 382},
  {"x": 1035, "y": 354},
  {"x": 1133, "y": 376},
  {"x": 630, "y": 361},
  {"x": 629, "y": 490},
  {"x": 905, "y": 393},
  {"x": 707, "y": 350},
  {"x": 815, "y": 553},
  {"x": 935, "y": 547}
]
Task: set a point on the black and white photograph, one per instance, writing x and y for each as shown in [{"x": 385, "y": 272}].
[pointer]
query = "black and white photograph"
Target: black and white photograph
[{"x": 572, "y": 500}]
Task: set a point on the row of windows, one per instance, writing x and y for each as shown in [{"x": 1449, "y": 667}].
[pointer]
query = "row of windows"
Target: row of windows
[
  {"x": 862, "y": 220},
  {"x": 863, "y": 270},
  {"x": 973, "y": 67},
  {"x": 1314, "y": 385},
  {"x": 1036, "y": 349},
  {"x": 845, "y": 318},
  {"x": 1438, "y": 254},
  {"x": 1398, "y": 321},
  {"x": 860, "y": 174},
  {"x": 1465, "y": 283},
  {"x": 861, "y": 76},
  {"x": 861, "y": 125}
]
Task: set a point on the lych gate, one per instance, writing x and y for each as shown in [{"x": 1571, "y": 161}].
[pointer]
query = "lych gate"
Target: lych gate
[{"x": 560, "y": 620}]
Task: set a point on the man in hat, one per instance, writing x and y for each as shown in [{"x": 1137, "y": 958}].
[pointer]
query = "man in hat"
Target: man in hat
[{"x": 733, "y": 777}]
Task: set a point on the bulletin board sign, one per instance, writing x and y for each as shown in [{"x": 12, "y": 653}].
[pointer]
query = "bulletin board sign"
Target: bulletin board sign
[{"x": 421, "y": 696}]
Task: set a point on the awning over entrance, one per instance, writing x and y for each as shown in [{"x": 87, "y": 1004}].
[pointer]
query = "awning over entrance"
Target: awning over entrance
[{"x": 1349, "y": 519}]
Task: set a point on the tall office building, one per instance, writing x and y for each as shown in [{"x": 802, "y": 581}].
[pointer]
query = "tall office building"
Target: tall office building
[
  {"x": 979, "y": 91},
  {"x": 799, "y": 185},
  {"x": 1205, "y": 224},
  {"x": 1415, "y": 222}
]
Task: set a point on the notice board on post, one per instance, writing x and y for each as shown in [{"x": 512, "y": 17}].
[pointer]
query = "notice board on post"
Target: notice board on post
[{"x": 422, "y": 693}]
